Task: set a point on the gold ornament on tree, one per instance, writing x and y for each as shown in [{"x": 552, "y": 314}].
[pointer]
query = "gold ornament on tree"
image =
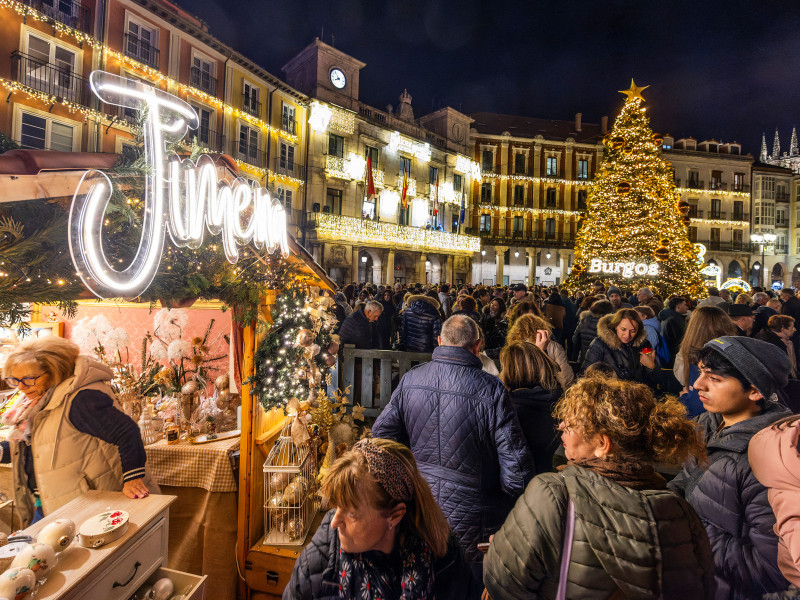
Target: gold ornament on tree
[{"x": 623, "y": 187}]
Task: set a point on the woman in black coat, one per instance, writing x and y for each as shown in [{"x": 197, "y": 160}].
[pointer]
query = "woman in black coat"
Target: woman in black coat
[
  {"x": 495, "y": 326},
  {"x": 386, "y": 321},
  {"x": 422, "y": 324}
]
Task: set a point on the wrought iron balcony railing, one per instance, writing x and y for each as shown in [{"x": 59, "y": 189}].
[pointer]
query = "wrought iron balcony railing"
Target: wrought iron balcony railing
[{"x": 49, "y": 78}]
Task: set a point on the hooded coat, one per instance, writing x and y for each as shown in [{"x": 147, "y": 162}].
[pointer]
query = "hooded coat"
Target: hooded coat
[
  {"x": 422, "y": 324},
  {"x": 586, "y": 330},
  {"x": 775, "y": 461},
  {"x": 628, "y": 542},
  {"x": 623, "y": 358},
  {"x": 734, "y": 507},
  {"x": 534, "y": 408},
  {"x": 464, "y": 433}
]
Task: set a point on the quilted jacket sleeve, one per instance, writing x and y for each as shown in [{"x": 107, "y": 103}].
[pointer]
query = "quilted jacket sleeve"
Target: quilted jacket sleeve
[
  {"x": 313, "y": 560},
  {"x": 595, "y": 353},
  {"x": 527, "y": 549},
  {"x": 516, "y": 464},
  {"x": 389, "y": 423}
]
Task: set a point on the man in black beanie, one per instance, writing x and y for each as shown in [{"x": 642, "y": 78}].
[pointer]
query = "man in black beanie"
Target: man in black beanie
[{"x": 739, "y": 378}]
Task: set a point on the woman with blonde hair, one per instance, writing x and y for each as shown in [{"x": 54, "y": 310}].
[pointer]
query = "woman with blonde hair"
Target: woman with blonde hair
[
  {"x": 527, "y": 328},
  {"x": 743, "y": 298},
  {"x": 531, "y": 379},
  {"x": 66, "y": 433},
  {"x": 705, "y": 324},
  {"x": 522, "y": 308},
  {"x": 606, "y": 526},
  {"x": 385, "y": 538}
]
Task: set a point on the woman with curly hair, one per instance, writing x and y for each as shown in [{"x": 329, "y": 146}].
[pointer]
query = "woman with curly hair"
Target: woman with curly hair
[
  {"x": 525, "y": 329},
  {"x": 606, "y": 526}
]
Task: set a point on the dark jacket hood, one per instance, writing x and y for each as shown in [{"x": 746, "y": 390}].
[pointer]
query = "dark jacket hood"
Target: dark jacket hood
[
  {"x": 422, "y": 298},
  {"x": 536, "y": 396},
  {"x": 609, "y": 336},
  {"x": 736, "y": 438}
]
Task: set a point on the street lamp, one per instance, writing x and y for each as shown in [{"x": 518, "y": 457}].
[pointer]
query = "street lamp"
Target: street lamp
[{"x": 763, "y": 240}]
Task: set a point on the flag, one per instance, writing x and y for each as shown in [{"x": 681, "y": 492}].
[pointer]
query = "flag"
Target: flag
[
  {"x": 436, "y": 197},
  {"x": 463, "y": 213},
  {"x": 403, "y": 196},
  {"x": 370, "y": 181}
]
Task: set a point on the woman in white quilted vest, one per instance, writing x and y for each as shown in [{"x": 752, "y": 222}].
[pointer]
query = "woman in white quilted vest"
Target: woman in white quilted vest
[{"x": 67, "y": 434}]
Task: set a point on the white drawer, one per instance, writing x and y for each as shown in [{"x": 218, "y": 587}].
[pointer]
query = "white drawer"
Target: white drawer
[
  {"x": 124, "y": 577},
  {"x": 195, "y": 583}
]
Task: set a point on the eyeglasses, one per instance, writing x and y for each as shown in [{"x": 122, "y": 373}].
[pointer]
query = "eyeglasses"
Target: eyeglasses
[{"x": 28, "y": 381}]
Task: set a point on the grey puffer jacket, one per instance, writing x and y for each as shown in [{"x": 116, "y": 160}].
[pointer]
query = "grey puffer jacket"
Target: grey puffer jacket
[
  {"x": 637, "y": 544},
  {"x": 462, "y": 428}
]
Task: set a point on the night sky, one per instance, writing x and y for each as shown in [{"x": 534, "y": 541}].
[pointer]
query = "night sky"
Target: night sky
[{"x": 728, "y": 70}]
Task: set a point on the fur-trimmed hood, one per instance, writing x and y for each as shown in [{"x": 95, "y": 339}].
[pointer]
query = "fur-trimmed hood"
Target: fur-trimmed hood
[
  {"x": 413, "y": 298},
  {"x": 609, "y": 336}
]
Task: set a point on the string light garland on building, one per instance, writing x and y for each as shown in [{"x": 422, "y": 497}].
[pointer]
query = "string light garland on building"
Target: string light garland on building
[
  {"x": 73, "y": 107},
  {"x": 364, "y": 231},
  {"x": 635, "y": 214},
  {"x": 695, "y": 192},
  {"x": 529, "y": 178},
  {"x": 343, "y": 121},
  {"x": 536, "y": 211},
  {"x": 720, "y": 222}
]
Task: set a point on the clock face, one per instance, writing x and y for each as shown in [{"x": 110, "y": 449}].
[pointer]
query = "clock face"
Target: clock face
[{"x": 338, "y": 79}]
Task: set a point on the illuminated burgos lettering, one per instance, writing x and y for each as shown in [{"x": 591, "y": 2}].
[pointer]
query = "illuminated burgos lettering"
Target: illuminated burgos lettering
[
  {"x": 626, "y": 269},
  {"x": 180, "y": 196}
]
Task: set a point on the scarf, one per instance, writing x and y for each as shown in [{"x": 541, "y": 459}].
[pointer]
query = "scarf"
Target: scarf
[
  {"x": 629, "y": 472},
  {"x": 20, "y": 416},
  {"x": 405, "y": 574}
]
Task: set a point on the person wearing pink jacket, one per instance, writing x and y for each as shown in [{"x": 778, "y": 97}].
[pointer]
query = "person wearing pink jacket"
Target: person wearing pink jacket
[{"x": 775, "y": 460}]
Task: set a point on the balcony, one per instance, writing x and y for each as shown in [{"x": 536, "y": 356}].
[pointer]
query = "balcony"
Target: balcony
[
  {"x": 68, "y": 12},
  {"x": 281, "y": 166},
  {"x": 694, "y": 184},
  {"x": 250, "y": 154},
  {"x": 203, "y": 80},
  {"x": 734, "y": 246},
  {"x": 781, "y": 196},
  {"x": 206, "y": 138},
  {"x": 372, "y": 233},
  {"x": 718, "y": 185},
  {"x": 519, "y": 238},
  {"x": 740, "y": 187},
  {"x": 49, "y": 78},
  {"x": 251, "y": 106},
  {"x": 781, "y": 222},
  {"x": 141, "y": 50}
]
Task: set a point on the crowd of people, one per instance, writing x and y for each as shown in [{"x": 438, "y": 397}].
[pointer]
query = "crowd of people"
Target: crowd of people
[{"x": 603, "y": 444}]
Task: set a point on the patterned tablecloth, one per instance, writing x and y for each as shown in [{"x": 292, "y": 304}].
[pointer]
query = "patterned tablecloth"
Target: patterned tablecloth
[{"x": 185, "y": 464}]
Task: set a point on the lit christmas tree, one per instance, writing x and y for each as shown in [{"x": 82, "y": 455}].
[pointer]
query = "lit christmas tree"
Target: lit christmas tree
[{"x": 634, "y": 234}]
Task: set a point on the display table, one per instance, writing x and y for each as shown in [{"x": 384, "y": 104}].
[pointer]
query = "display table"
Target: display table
[
  {"x": 114, "y": 571},
  {"x": 202, "y": 527}
]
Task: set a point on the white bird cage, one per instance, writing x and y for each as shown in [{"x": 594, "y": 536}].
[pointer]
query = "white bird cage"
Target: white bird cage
[{"x": 290, "y": 496}]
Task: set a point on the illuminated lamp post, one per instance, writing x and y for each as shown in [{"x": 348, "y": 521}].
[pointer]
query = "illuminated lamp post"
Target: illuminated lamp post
[{"x": 763, "y": 240}]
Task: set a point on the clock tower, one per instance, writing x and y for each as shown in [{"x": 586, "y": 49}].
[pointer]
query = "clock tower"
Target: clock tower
[{"x": 321, "y": 71}]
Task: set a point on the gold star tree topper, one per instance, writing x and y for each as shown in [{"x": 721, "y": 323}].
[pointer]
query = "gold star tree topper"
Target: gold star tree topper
[{"x": 634, "y": 92}]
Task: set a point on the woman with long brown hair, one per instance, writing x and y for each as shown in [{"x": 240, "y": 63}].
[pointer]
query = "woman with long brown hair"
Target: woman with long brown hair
[{"x": 525, "y": 329}]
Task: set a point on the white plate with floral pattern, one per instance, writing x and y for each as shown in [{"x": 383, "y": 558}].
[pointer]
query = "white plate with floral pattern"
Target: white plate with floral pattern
[{"x": 103, "y": 528}]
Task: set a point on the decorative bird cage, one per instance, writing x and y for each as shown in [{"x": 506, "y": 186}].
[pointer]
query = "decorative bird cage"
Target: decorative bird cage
[{"x": 290, "y": 496}]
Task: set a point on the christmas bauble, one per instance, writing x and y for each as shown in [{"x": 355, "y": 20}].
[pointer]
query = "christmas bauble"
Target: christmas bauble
[
  {"x": 333, "y": 347},
  {"x": 686, "y": 219},
  {"x": 664, "y": 241},
  {"x": 304, "y": 338},
  {"x": 293, "y": 494},
  {"x": 330, "y": 360},
  {"x": 627, "y": 150},
  {"x": 314, "y": 349},
  {"x": 623, "y": 187},
  {"x": 294, "y": 528},
  {"x": 304, "y": 484},
  {"x": 607, "y": 139},
  {"x": 617, "y": 142},
  {"x": 684, "y": 207},
  {"x": 661, "y": 253},
  {"x": 278, "y": 481},
  {"x": 578, "y": 269},
  {"x": 658, "y": 139}
]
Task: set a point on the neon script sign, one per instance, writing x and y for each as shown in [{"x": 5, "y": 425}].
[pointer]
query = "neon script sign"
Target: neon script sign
[
  {"x": 182, "y": 197},
  {"x": 626, "y": 269}
]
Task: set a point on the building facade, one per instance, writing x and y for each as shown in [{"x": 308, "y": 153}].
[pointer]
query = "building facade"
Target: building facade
[{"x": 411, "y": 229}]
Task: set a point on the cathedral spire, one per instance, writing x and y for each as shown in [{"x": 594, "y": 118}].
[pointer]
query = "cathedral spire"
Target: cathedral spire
[
  {"x": 776, "y": 146},
  {"x": 763, "y": 156},
  {"x": 793, "y": 150}
]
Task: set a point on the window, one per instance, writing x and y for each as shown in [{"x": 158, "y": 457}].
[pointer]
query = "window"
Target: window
[
  {"x": 487, "y": 160},
  {"x": 285, "y": 197},
  {"x": 486, "y": 193},
  {"x": 738, "y": 210},
  {"x": 433, "y": 176},
  {"x": 403, "y": 214},
  {"x": 738, "y": 182},
  {"x": 552, "y": 166},
  {"x": 333, "y": 202},
  {"x": 370, "y": 152},
  {"x": 737, "y": 239},
  {"x": 44, "y": 133},
  {"x": 693, "y": 208},
  {"x": 550, "y": 198},
  {"x": 248, "y": 144},
  {"x": 286, "y": 161},
  {"x": 506, "y": 259},
  {"x": 202, "y": 75},
  {"x": 519, "y": 163},
  {"x": 486, "y": 223},
  {"x": 519, "y": 195},
  {"x": 692, "y": 233},
  {"x": 250, "y": 101},
  {"x": 141, "y": 44},
  {"x": 716, "y": 180},
  {"x": 518, "y": 227},
  {"x": 714, "y": 237},
  {"x": 582, "y": 199},
  {"x": 336, "y": 145},
  {"x": 694, "y": 179},
  {"x": 550, "y": 228},
  {"x": 781, "y": 218},
  {"x": 368, "y": 209},
  {"x": 203, "y": 134},
  {"x": 455, "y": 223},
  {"x": 715, "y": 208},
  {"x": 458, "y": 185},
  {"x": 583, "y": 168},
  {"x": 780, "y": 193},
  {"x": 780, "y": 243},
  {"x": 288, "y": 123},
  {"x": 50, "y": 68}
]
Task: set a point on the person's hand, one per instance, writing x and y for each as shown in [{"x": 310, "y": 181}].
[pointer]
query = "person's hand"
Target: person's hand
[
  {"x": 648, "y": 360},
  {"x": 135, "y": 488},
  {"x": 542, "y": 339}
]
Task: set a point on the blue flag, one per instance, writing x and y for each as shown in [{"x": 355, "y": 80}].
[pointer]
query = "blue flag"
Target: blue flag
[{"x": 463, "y": 208}]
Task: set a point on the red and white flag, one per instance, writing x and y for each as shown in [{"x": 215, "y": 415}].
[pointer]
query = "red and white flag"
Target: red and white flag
[{"x": 370, "y": 180}]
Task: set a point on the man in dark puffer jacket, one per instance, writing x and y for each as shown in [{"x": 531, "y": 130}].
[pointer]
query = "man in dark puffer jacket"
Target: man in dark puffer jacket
[
  {"x": 737, "y": 374},
  {"x": 465, "y": 435},
  {"x": 359, "y": 328}
]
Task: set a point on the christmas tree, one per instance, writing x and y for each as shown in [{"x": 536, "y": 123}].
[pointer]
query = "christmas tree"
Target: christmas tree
[{"x": 634, "y": 234}]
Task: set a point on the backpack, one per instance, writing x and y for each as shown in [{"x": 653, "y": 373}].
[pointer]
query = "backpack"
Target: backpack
[{"x": 662, "y": 350}]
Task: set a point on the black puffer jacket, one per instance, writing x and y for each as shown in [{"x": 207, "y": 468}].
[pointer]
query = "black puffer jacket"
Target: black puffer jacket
[
  {"x": 494, "y": 331},
  {"x": 316, "y": 573},
  {"x": 422, "y": 324},
  {"x": 734, "y": 507},
  {"x": 357, "y": 330},
  {"x": 623, "y": 358},
  {"x": 645, "y": 544},
  {"x": 535, "y": 412},
  {"x": 464, "y": 432},
  {"x": 586, "y": 330}
]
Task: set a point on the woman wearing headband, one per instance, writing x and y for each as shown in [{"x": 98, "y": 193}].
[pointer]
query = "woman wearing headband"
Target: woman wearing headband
[{"x": 386, "y": 537}]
